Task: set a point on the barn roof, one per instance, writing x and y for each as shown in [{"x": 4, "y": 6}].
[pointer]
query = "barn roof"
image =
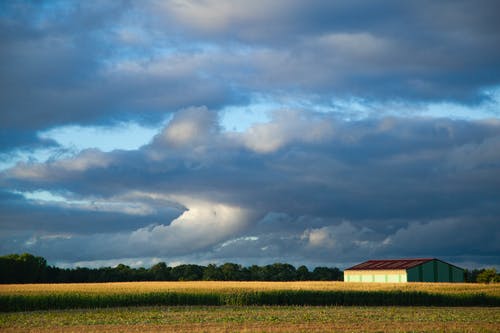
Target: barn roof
[{"x": 390, "y": 264}]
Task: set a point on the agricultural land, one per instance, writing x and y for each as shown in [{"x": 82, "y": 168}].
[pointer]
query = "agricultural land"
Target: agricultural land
[{"x": 210, "y": 306}]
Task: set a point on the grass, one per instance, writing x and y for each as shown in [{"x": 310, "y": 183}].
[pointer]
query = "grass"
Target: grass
[
  {"x": 256, "y": 319},
  {"x": 101, "y": 295}
]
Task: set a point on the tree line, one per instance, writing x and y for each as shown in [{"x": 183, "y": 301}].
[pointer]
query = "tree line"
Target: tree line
[{"x": 27, "y": 268}]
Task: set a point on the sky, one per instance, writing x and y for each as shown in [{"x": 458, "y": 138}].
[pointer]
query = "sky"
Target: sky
[{"x": 318, "y": 133}]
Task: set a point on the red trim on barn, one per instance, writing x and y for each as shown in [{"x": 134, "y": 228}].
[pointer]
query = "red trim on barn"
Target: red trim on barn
[{"x": 390, "y": 264}]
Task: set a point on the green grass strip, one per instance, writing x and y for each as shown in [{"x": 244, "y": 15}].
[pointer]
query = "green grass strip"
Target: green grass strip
[{"x": 9, "y": 303}]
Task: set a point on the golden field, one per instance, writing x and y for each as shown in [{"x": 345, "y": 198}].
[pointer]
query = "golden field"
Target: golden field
[
  {"x": 212, "y": 306},
  {"x": 229, "y": 287}
]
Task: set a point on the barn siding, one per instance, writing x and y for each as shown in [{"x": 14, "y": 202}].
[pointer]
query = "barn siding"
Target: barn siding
[
  {"x": 443, "y": 272},
  {"x": 381, "y": 276},
  {"x": 458, "y": 274},
  {"x": 428, "y": 272},
  {"x": 435, "y": 271},
  {"x": 414, "y": 274}
]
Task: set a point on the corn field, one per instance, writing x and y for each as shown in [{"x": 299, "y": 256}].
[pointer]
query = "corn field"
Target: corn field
[{"x": 71, "y": 296}]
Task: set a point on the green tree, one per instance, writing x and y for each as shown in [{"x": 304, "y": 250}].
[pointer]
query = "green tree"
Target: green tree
[
  {"x": 231, "y": 272},
  {"x": 27, "y": 268},
  {"x": 471, "y": 275},
  {"x": 255, "y": 273},
  {"x": 160, "y": 272},
  {"x": 187, "y": 272},
  {"x": 281, "y": 272},
  {"x": 303, "y": 273},
  {"x": 212, "y": 273},
  {"x": 488, "y": 276},
  {"x": 327, "y": 274},
  {"x": 22, "y": 268}
]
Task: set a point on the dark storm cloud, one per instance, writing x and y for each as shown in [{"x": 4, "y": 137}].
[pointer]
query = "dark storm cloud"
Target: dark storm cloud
[
  {"x": 382, "y": 50},
  {"x": 68, "y": 219},
  {"x": 25, "y": 140},
  {"x": 303, "y": 186},
  {"x": 66, "y": 64}
]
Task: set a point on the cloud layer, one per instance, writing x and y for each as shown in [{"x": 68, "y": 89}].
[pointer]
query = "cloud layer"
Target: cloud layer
[
  {"x": 355, "y": 151},
  {"x": 61, "y": 63},
  {"x": 330, "y": 189}
]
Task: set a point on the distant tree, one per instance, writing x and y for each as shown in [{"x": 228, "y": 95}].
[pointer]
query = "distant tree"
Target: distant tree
[
  {"x": 255, "y": 273},
  {"x": 231, "y": 272},
  {"x": 23, "y": 268},
  {"x": 327, "y": 274},
  {"x": 140, "y": 274},
  {"x": 212, "y": 273},
  {"x": 187, "y": 273},
  {"x": 488, "y": 276},
  {"x": 471, "y": 275},
  {"x": 80, "y": 274},
  {"x": 160, "y": 272},
  {"x": 303, "y": 273},
  {"x": 27, "y": 268},
  {"x": 281, "y": 272},
  {"x": 122, "y": 273}
]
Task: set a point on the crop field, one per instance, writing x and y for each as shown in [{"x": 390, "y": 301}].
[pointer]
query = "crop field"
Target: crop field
[
  {"x": 228, "y": 287},
  {"x": 27, "y": 297},
  {"x": 256, "y": 319},
  {"x": 211, "y": 306}
]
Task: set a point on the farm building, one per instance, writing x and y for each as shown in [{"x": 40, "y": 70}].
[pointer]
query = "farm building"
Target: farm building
[{"x": 404, "y": 270}]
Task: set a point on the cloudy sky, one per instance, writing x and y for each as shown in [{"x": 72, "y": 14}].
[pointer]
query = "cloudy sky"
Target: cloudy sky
[{"x": 211, "y": 131}]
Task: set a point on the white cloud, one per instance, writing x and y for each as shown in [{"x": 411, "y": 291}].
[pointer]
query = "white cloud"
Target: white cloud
[
  {"x": 204, "y": 223},
  {"x": 216, "y": 16},
  {"x": 120, "y": 204},
  {"x": 190, "y": 126},
  {"x": 342, "y": 237},
  {"x": 87, "y": 159},
  {"x": 191, "y": 133},
  {"x": 90, "y": 158},
  {"x": 286, "y": 126},
  {"x": 347, "y": 46},
  {"x": 198, "y": 128}
]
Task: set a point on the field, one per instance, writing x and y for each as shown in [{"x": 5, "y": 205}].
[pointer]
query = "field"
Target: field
[
  {"x": 71, "y": 296},
  {"x": 229, "y": 287},
  {"x": 249, "y": 306},
  {"x": 256, "y": 319}
]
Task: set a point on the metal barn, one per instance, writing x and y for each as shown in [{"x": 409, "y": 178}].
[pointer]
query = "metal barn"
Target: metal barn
[{"x": 404, "y": 270}]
